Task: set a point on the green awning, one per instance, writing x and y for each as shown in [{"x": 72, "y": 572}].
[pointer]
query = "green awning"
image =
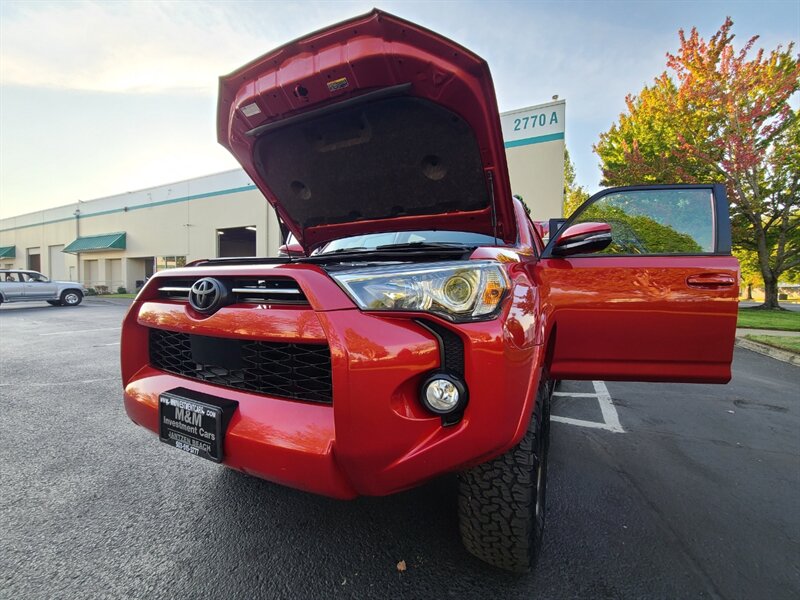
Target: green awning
[
  {"x": 97, "y": 243},
  {"x": 8, "y": 251}
]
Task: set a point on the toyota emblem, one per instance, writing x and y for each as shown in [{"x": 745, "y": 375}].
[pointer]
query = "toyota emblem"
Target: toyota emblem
[{"x": 206, "y": 294}]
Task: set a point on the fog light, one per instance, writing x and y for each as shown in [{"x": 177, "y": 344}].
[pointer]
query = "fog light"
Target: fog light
[{"x": 443, "y": 394}]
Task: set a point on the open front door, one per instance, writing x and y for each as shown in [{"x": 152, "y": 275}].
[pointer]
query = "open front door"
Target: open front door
[{"x": 659, "y": 303}]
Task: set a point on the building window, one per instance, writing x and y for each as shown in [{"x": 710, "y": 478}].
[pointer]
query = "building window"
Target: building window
[{"x": 169, "y": 262}]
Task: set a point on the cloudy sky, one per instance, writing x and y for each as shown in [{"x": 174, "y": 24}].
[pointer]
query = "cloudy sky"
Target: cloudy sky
[{"x": 99, "y": 98}]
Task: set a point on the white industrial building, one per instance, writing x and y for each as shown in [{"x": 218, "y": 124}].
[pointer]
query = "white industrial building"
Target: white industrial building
[{"x": 120, "y": 240}]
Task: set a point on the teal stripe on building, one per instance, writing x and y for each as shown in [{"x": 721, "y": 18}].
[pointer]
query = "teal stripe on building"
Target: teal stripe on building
[
  {"x": 535, "y": 140},
  {"x": 140, "y": 206}
]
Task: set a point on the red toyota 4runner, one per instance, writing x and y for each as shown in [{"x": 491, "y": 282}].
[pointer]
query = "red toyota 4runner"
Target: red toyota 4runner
[{"x": 422, "y": 328}]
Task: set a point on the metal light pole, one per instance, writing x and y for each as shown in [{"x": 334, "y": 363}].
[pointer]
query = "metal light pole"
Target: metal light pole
[{"x": 77, "y": 214}]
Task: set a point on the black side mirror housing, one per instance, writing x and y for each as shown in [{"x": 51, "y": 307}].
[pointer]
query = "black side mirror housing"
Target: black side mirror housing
[
  {"x": 583, "y": 238},
  {"x": 554, "y": 226}
]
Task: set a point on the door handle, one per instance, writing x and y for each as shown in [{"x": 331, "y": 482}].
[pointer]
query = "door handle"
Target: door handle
[{"x": 711, "y": 280}]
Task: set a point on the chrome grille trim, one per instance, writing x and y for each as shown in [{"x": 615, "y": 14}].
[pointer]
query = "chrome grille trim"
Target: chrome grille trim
[
  {"x": 274, "y": 290},
  {"x": 250, "y": 290}
]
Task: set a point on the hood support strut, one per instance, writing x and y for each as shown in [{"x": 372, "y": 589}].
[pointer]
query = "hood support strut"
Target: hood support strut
[{"x": 490, "y": 178}]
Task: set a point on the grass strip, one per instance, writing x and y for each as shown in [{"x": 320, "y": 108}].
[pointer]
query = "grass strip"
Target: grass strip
[
  {"x": 782, "y": 342},
  {"x": 755, "y": 318}
]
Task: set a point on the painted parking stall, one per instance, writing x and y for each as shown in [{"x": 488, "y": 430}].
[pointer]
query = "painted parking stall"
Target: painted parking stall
[{"x": 609, "y": 417}]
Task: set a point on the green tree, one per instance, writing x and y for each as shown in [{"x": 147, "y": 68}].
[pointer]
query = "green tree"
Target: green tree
[
  {"x": 751, "y": 274},
  {"x": 574, "y": 194},
  {"x": 723, "y": 116}
]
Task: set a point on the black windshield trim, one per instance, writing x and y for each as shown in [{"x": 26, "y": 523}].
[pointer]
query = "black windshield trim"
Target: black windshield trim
[{"x": 424, "y": 254}]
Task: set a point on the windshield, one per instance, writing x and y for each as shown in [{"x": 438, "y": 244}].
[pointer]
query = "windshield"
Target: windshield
[{"x": 372, "y": 241}]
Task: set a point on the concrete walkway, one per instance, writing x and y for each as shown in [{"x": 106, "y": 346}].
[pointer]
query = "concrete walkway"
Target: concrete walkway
[{"x": 741, "y": 332}]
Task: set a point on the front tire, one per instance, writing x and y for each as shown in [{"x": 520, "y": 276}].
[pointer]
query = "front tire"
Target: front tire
[
  {"x": 501, "y": 503},
  {"x": 71, "y": 297}
]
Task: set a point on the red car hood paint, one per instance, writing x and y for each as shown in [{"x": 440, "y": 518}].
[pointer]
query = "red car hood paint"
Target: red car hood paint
[{"x": 374, "y": 124}]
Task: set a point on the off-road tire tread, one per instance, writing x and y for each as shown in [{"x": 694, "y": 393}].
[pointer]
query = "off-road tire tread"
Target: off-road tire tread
[{"x": 496, "y": 501}]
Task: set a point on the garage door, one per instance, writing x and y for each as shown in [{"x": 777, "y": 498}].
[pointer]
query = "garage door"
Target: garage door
[
  {"x": 115, "y": 274},
  {"x": 34, "y": 259},
  {"x": 90, "y": 273},
  {"x": 58, "y": 267}
]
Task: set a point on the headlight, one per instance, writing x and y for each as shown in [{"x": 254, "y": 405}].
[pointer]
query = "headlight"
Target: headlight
[{"x": 459, "y": 291}]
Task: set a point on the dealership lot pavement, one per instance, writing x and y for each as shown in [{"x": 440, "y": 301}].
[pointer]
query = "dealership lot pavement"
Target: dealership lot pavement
[{"x": 695, "y": 495}]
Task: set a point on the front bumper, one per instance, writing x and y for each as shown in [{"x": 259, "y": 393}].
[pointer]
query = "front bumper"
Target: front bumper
[{"x": 375, "y": 438}]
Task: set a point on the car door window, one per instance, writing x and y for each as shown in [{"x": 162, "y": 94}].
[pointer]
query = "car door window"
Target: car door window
[
  {"x": 11, "y": 277},
  {"x": 655, "y": 221}
]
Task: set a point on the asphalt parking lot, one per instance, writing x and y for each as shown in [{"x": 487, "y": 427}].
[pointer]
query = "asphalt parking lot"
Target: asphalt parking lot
[{"x": 692, "y": 492}]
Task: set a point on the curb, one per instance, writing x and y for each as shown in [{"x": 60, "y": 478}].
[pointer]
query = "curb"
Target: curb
[
  {"x": 782, "y": 355},
  {"x": 114, "y": 301}
]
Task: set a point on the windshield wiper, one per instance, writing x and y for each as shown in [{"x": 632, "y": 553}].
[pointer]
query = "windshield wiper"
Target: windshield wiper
[
  {"x": 427, "y": 246},
  {"x": 344, "y": 250},
  {"x": 415, "y": 252}
]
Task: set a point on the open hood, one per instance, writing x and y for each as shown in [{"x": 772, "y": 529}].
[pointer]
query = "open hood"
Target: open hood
[{"x": 374, "y": 124}]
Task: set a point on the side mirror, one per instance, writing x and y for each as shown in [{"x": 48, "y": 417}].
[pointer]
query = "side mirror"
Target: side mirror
[
  {"x": 554, "y": 225},
  {"x": 294, "y": 249},
  {"x": 583, "y": 238}
]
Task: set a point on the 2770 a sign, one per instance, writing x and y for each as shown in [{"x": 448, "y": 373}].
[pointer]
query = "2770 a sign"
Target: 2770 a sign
[
  {"x": 532, "y": 121},
  {"x": 533, "y": 124}
]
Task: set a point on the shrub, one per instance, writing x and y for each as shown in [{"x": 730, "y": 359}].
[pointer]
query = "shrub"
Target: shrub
[{"x": 121, "y": 290}]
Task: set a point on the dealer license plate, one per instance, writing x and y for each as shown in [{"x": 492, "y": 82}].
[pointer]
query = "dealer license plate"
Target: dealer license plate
[{"x": 194, "y": 422}]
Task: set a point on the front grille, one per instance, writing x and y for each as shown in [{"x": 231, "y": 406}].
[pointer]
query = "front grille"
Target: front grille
[
  {"x": 272, "y": 290},
  {"x": 288, "y": 370}
]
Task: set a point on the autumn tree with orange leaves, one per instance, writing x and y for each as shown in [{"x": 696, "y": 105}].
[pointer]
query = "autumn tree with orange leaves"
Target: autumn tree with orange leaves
[{"x": 722, "y": 115}]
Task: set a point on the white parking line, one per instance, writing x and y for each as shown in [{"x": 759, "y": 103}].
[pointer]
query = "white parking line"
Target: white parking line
[
  {"x": 609, "y": 412},
  {"x": 610, "y": 415},
  {"x": 582, "y": 423},
  {"x": 80, "y": 331},
  {"x": 55, "y": 383}
]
